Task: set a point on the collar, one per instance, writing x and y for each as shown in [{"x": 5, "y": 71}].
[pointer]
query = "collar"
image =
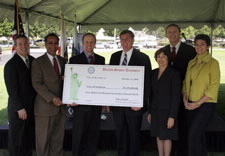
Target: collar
[
  {"x": 87, "y": 55},
  {"x": 22, "y": 57},
  {"x": 177, "y": 46},
  {"x": 204, "y": 58},
  {"x": 129, "y": 52}
]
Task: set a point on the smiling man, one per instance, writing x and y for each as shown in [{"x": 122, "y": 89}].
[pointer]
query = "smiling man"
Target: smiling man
[
  {"x": 128, "y": 119},
  {"x": 17, "y": 75},
  {"x": 47, "y": 80},
  {"x": 86, "y": 121}
]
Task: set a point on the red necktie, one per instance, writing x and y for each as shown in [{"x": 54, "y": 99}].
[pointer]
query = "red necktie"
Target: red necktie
[
  {"x": 92, "y": 59},
  {"x": 56, "y": 67},
  {"x": 173, "y": 53}
]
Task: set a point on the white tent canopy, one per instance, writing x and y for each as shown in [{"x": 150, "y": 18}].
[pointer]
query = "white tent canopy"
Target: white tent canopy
[{"x": 94, "y": 14}]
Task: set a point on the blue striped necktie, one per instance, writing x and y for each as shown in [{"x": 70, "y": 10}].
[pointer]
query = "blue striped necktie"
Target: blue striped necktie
[{"x": 124, "y": 63}]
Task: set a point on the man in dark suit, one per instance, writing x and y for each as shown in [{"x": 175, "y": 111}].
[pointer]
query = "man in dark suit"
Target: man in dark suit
[
  {"x": 181, "y": 55},
  {"x": 21, "y": 99},
  {"x": 86, "y": 120},
  {"x": 128, "y": 120},
  {"x": 47, "y": 80}
]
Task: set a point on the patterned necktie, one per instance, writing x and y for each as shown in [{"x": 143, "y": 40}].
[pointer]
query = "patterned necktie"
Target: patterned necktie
[
  {"x": 27, "y": 62},
  {"x": 173, "y": 53},
  {"x": 124, "y": 63},
  {"x": 92, "y": 61},
  {"x": 56, "y": 67}
]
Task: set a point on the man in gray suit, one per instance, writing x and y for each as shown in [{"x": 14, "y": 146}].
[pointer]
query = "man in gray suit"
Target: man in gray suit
[{"x": 47, "y": 80}]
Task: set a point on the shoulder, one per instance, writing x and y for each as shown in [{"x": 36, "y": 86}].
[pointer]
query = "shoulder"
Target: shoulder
[
  {"x": 186, "y": 46},
  {"x": 214, "y": 61},
  {"x": 40, "y": 58},
  {"x": 118, "y": 53},
  {"x": 77, "y": 57},
  {"x": 99, "y": 56},
  {"x": 140, "y": 55},
  {"x": 155, "y": 70},
  {"x": 61, "y": 58}
]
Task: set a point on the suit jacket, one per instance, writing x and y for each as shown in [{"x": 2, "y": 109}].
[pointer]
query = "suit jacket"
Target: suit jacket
[
  {"x": 82, "y": 59},
  {"x": 47, "y": 85},
  {"x": 185, "y": 53},
  {"x": 137, "y": 59},
  {"x": 18, "y": 83},
  {"x": 166, "y": 91}
]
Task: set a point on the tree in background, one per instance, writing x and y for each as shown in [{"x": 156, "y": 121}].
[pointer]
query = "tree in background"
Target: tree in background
[{"x": 6, "y": 28}]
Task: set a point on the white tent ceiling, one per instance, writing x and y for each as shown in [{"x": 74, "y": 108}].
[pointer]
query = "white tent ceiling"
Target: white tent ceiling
[{"x": 94, "y": 14}]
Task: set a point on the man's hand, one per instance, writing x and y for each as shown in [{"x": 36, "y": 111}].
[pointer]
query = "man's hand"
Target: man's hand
[
  {"x": 74, "y": 104},
  {"x": 22, "y": 114},
  {"x": 136, "y": 108},
  {"x": 57, "y": 101}
]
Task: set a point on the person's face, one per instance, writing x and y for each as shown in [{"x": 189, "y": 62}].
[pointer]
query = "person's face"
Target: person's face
[
  {"x": 173, "y": 34},
  {"x": 126, "y": 42},
  {"x": 201, "y": 47},
  {"x": 162, "y": 60},
  {"x": 22, "y": 47},
  {"x": 89, "y": 44},
  {"x": 52, "y": 45}
]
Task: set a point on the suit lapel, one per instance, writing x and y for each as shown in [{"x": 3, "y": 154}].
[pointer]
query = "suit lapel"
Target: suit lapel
[
  {"x": 20, "y": 62},
  {"x": 49, "y": 65},
  {"x": 133, "y": 58}
]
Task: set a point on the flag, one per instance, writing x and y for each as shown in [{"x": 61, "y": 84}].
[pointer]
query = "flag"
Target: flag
[
  {"x": 18, "y": 25},
  {"x": 75, "y": 46}
]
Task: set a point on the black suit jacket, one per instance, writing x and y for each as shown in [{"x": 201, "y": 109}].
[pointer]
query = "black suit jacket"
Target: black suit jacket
[
  {"x": 137, "y": 59},
  {"x": 166, "y": 91},
  {"x": 18, "y": 83},
  {"x": 82, "y": 59},
  {"x": 185, "y": 53}
]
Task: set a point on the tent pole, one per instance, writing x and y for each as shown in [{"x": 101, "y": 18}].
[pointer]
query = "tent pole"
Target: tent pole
[
  {"x": 27, "y": 23},
  {"x": 211, "y": 36}
]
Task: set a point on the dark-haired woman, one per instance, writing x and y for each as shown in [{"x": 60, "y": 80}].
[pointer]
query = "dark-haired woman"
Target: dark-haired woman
[
  {"x": 164, "y": 103},
  {"x": 200, "y": 93}
]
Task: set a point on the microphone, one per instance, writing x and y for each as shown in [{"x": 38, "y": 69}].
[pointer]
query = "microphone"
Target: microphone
[{"x": 184, "y": 36}]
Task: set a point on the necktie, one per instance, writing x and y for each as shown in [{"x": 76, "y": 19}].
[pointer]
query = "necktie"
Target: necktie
[
  {"x": 173, "y": 53},
  {"x": 27, "y": 63},
  {"x": 56, "y": 67},
  {"x": 124, "y": 63},
  {"x": 92, "y": 59}
]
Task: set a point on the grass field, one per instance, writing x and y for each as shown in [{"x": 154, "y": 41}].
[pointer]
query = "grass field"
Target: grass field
[{"x": 218, "y": 54}]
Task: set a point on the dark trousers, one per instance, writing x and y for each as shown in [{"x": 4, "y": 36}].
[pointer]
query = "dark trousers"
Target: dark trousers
[
  {"x": 86, "y": 129},
  {"x": 182, "y": 142},
  {"x": 21, "y": 135},
  {"x": 128, "y": 125},
  {"x": 197, "y": 124}
]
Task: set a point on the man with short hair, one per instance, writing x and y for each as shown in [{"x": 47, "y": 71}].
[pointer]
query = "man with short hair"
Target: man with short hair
[
  {"x": 86, "y": 120},
  {"x": 49, "y": 111},
  {"x": 17, "y": 74},
  {"x": 128, "y": 120},
  {"x": 181, "y": 55}
]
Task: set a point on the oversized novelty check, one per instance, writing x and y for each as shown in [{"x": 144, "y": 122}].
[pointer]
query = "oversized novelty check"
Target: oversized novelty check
[{"x": 104, "y": 85}]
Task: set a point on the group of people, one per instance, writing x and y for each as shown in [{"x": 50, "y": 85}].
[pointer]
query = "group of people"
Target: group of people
[{"x": 180, "y": 97}]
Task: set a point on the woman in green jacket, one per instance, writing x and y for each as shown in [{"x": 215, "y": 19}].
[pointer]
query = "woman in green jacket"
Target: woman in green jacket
[{"x": 200, "y": 93}]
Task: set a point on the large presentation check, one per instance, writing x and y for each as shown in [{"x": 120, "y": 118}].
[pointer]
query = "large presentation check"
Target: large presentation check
[{"x": 104, "y": 85}]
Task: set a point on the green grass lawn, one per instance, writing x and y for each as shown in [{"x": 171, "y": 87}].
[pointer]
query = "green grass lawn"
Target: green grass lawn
[{"x": 218, "y": 54}]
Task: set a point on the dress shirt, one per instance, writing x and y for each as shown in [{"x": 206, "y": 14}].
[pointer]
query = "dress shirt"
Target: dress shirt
[
  {"x": 177, "y": 47},
  {"x": 52, "y": 62},
  {"x": 88, "y": 58},
  {"x": 129, "y": 53}
]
